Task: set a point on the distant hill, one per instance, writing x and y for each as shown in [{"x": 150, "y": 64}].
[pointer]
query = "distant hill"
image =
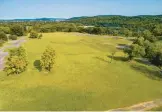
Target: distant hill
[
  {"x": 110, "y": 16},
  {"x": 117, "y": 20},
  {"x": 89, "y": 19},
  {"x": 36, "y": 19}
]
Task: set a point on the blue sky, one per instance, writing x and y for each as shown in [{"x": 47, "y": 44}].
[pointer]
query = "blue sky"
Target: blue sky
[{"x": 10, "y": 9}]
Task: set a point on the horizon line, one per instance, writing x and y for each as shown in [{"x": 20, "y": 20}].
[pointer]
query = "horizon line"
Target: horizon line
[{"x": 82, "y": 16}]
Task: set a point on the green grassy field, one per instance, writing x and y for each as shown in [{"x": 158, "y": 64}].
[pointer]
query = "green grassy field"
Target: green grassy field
[{"x": 83, "y": 77}]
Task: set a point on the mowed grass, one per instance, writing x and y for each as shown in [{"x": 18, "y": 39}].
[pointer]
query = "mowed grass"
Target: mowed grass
[{"x": 82, "y": 79}]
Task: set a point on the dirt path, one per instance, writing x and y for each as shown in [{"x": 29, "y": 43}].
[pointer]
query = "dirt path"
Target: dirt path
[
  {"x": 11, "y": 44},
  {"x": 141, "y": 106}
]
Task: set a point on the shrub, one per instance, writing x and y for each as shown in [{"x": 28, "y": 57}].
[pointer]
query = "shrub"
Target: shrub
[
  {"x": 40, "y": 36},
  {"x": 13, "y": 37},
  {"x": 33, "y": 34},
  {"x": 3, "y": 36},
  {"x": 1, "y": 43}
]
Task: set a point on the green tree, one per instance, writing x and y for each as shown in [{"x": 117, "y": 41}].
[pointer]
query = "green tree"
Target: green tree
[
  {"x": 16, "y": 62},
  {"x": 40, "y": 36},
  {"x": 139, "y": 41},
  {"x": 33, "y": 34},
  {"x": 3, "y": 36},
  {"x": 6, "y": 30},
  {"x": 135, "y": 51},
  {"x": 17, "y": 30},
  {"x": 148, "y": 36},
  {"x": 157, "y": 30},
  {"x": 48, "y": 59},
  {"x": 127, "y": 33}
]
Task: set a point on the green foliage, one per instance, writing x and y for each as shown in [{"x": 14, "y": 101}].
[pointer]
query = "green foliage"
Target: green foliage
[
  {"x": 1, "y": 43},
  {"x": 17, "y": 30},
  {"x": 154, "y": 54},
  {"x": 135, "y": 51},
  {"x": 139, "y": 41},
  {"x": 6, "y": 30},
  {"x": 3, "y": 36},
  {"x": 40, "y": 36},
  {"x": 33, "y": 34},
  {"x": 157, "y": 30},
  {"x": 48, "y": 59},
  {"x": 13, "y": 37},
  {"x": 127, "y": 33},
  {"x": 16, "y": 62},
  {"x": 148, "y": 36}
]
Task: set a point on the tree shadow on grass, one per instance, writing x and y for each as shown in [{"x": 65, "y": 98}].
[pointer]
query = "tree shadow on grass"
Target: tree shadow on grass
[
  {"x": 118, "y": 58},
  {"x": 122, "y": 46},
  {"x": 143, "y": 61},
  {"x": 150, "y": 73},
  {"x": 101, "y": 59},
  {"x": 37, "y": 65}
]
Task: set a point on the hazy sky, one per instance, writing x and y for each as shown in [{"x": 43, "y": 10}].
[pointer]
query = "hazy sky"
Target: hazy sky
[{"x": 69, "y": 8}]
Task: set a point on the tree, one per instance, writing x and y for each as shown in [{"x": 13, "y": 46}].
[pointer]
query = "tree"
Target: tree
[
  {"x": 146, "y": 34},
  {"x": 97, "y": 30},
  {"x": 16, "y": 62},
  {"x": 157, "y": 30},
  {"x": 48, "y": 59},
  {"x": 139, "y": 41},
  {"x": 17, "y": 30},
  {"x": 127, "y": 32},
  {"x": 135, "y": 51},
  {"x": 3, "y": 36},
  {"x": 6, "y": 30},
  {"x": 154, "y": 53},
  {"x": 40, "y": 36},
  {"x": 13, "y": 37},
  {"x": 33, "y": 34}
]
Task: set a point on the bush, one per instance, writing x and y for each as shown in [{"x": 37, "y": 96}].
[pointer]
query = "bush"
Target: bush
[
  {"x": 47, "y": 59},
  {"x": 40, "y": 36},
  {"x": 1, "y": 43},
  {"x": 16, "y": 62},
  {"x": 33, "y": 34},
  {"x": 6, "y": 30},
  {"x": 3, "y": 36},
  {"x": 13, "y": 37}
]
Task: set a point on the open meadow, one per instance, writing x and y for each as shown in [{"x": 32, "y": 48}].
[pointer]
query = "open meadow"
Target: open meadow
[{"x": 83, "y": 78}]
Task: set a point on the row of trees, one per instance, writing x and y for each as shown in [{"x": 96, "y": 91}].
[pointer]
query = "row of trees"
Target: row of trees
[
  {"x": 111, "y": 25},
  {"x": 134, "y": 24},
  {"x": 17, "y": 60}
]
